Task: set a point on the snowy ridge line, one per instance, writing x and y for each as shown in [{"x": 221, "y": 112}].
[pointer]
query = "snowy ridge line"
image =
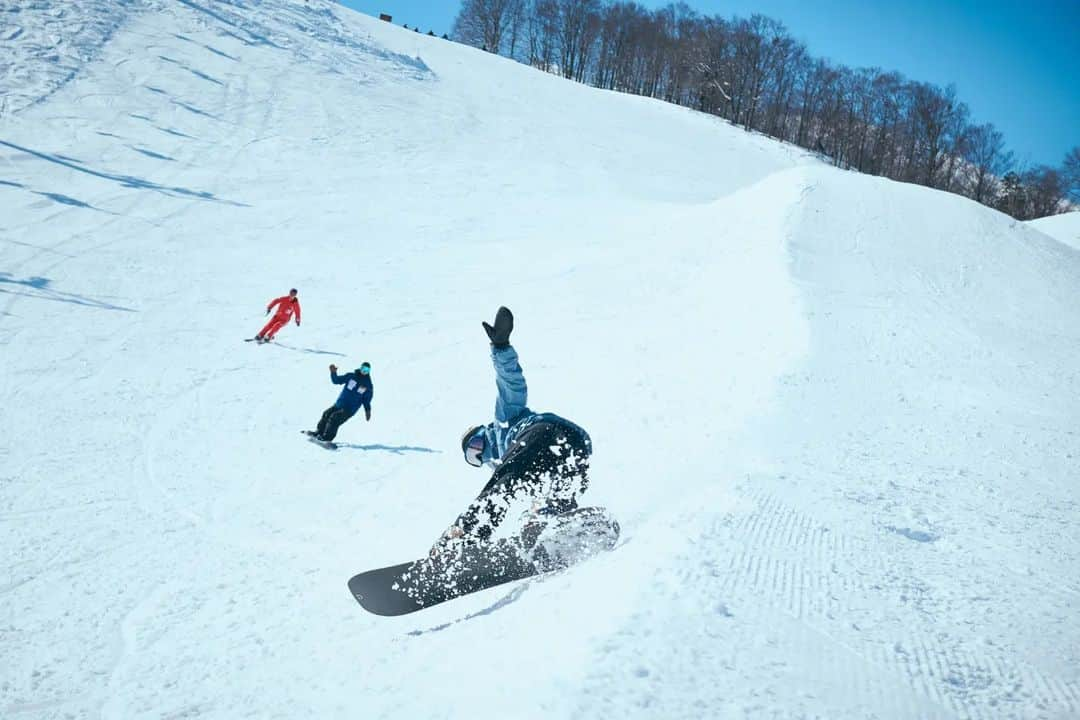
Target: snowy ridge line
[
  {"x": 277, "y": 25},
  {"x": 1064, "y": 228},
  {"x": 817, "y": 582}
]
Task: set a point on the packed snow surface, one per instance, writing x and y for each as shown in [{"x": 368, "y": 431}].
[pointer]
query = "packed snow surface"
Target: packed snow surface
[
  {"x": 836, "y": 416},
  {"x": 1064, "y": 227}
]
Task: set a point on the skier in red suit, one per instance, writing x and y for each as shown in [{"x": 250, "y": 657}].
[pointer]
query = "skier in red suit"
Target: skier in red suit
[{"x": 287, "y": 306}]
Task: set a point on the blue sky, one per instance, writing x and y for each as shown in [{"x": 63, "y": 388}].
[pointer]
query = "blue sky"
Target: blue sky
[{"x": 1016, "y": 64}]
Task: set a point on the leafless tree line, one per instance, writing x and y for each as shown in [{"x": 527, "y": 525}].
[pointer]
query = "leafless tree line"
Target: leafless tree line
[{"x": 753, "y": 73}]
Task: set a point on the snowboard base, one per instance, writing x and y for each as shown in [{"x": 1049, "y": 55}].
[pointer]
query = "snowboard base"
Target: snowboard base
[
  {"x": 328, "y": 444},
  {"x": 545, "y": 545}
]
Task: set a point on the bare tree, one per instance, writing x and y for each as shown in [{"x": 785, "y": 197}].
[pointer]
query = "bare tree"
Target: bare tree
[
  {"x": 1070, "y": 174},
  {"x": 515, "y": 28},
  {"x": 1012, "y": 200},
  {"x": 714, "y": 68},
  {"x": 579, "y": 25},
  {"x": 815, "y": 84},
  {"x": 1045, "y": 192},
  {"x": 932, "y": 114},
  {"x": 886, "y": 115},
  {"x": 989, "y": 160},
  {"x": 957, "y": 137},
  {"x": 542, "y": 31},
  {"x": 485, "y": 23}
]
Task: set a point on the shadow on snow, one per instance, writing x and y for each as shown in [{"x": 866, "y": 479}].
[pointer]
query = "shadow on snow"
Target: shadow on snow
[
  {"x": 310, "y": 351},
  {"x": 396, "y": 449},
  {"x": 151, "y": 153},
  {"x": 129, "y": 181},
  {"x": 502, "y": 602},
  {"x": 65, "y": 200},
  {"x": 191, "y": 70},
  {"x": 256, "y": 39},
  {"x": 40, "y": 287}
]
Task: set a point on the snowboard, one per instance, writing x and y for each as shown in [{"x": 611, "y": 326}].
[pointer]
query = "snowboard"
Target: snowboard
[
  {"x": 328, "y": 444},
  {"x": 544, "y": 545}
]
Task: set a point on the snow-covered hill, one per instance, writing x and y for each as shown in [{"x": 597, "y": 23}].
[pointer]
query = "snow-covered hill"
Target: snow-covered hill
[
  {"x": 835, "y": 415},
  {"x": 1064, "y": 227}
]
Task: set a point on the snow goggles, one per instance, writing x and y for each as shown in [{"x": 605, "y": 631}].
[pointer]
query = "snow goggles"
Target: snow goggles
[
  {"x": 474, "y": 450},
  {"x": 365, "y": 369}
]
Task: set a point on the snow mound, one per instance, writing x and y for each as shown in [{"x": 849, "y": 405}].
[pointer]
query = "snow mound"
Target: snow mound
[{"x": 1064, "y": 228}]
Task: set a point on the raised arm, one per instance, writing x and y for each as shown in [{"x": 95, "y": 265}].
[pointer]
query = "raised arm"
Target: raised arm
[
  {"x": 510, "y": 382},
  {"x": 509, "y": 379}
]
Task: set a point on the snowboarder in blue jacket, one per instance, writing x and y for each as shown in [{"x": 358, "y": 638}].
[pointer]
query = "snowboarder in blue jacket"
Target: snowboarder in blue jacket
[
  {"x": 356, "y": 394},
  {"x": 536, "y": 456}
]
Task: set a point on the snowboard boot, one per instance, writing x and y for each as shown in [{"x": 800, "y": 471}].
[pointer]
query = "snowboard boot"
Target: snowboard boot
[
  {"x": 531, "y": 532},
  {"x": 569, "y": 538}
]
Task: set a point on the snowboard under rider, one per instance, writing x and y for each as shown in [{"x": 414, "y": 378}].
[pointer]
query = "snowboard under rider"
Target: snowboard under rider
[
  {"x": 537, "y": 456},
  {"x": 287, "y": 305},
  {"x": 356, "y": 394}
]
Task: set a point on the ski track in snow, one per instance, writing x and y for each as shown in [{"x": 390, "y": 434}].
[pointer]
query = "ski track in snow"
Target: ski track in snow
[
  {"x": 833, "y": 414},
  {"x": 829, "y": 580}
]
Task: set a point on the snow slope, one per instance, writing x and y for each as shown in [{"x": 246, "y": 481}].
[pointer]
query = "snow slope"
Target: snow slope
[
  {"x": 1064, "y": 227},
  {"x": 45, "y": 44},
  {"x": 835, "y": 415}
]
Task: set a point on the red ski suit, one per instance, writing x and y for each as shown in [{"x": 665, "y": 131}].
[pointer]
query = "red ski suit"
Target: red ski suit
[{"x": 286, "y": 306}]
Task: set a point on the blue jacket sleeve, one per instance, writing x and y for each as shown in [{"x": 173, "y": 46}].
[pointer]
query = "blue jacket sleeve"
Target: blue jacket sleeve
[
  {"x": 510, "y": 382},
  {"x": 339, "y": 379},
  {"x": 366, "y": 402}
]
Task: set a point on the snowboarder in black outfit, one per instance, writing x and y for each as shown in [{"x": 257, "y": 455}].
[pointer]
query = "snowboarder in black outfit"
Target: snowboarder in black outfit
[
  {"x": 537, "y": 456},
  {"x": 357, "y": 393}
]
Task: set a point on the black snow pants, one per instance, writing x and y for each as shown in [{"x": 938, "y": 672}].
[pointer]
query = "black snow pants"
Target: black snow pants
[
  {"x": 549, "y": 463},
  {"x": 331, "y": 420}
]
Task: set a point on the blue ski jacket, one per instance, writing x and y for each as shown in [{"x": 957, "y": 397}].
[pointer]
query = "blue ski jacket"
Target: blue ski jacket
[{"x": 357, "y": 392}]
